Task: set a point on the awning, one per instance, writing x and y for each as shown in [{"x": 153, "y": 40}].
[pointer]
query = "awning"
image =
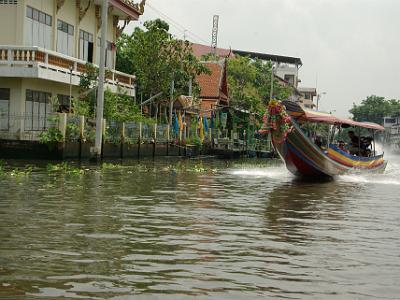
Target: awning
[{"x": 299, "y": 113}]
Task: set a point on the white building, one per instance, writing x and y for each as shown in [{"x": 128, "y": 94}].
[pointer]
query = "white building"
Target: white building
[
  {"x": 44, "y": 46},
  {"x": 307, "y": 96},
  {"x": 392, "y": 127}
]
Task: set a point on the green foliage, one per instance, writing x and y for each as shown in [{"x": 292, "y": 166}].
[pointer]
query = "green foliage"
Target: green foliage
[
  {"x": 250, "y": 83},
  {"x": 120, "y": 107},
  {"x": 72, "y": 132},
  {"x": 88, "y": 79},
  {"x": 117, "y": 106},
  {"x": 51, "y": 135},
  {"x": 82, "y": 107},
  {"x": 194, "y": 140},
  {"x": 374, "y": 109},
  {"x": 157, "y": 58}
]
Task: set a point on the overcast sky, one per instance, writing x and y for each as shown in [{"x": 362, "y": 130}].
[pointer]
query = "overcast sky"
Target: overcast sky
[{"x": 350, "y": 48}]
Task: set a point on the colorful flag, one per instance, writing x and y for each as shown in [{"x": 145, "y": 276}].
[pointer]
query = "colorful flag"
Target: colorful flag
[{"x": 201, "y": 129}]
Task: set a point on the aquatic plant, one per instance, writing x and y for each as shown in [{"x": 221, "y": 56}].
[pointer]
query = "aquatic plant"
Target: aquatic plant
[
  {"x": 64, "y": 167},
  {"x": 2, "y": 171},
  {"x": 110, "y": 166},
  {"x": 21, "y": 172}
]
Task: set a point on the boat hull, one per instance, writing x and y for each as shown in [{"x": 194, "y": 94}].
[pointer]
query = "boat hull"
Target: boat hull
[{"x": 303, "y": 158}]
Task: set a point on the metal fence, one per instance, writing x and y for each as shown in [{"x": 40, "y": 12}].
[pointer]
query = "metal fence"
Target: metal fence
[
  {"x": 73, "y": 128},
  {"x": 26, "y": 126},
  {"x": 132, "y": 132}
]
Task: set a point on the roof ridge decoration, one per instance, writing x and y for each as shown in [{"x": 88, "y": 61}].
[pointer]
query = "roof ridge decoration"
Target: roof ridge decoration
[
  {"x": 60, "y": 4},
  {"x": 138, "y": 6},
  {"x": 82, "y": 12},
  {"x": 121, "y": 29}
]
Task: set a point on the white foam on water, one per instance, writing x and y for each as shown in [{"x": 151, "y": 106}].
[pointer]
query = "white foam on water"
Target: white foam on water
[
  {"x": 273, "y": 173},
  {"x": 391, "y": 176}
]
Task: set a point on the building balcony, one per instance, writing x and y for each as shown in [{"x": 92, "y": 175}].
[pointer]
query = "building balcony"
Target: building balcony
[{"x": 39, "y": 63}]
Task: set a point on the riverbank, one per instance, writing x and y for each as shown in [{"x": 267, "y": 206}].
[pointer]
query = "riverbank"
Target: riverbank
[{"x": 82, "y": 150}]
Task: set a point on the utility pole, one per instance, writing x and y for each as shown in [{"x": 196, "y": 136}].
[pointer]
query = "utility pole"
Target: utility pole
[
  {"x": 70, "y": 88},
  {"x": 100, "y": 93},
  {"x": 171, "y": 102},
  {"x": 271, "y": 92},
  {"x": 319, "y": 98}
]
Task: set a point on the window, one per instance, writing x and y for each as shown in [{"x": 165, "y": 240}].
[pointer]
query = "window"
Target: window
[
  {"x": 65, "y": 38},
  {"x": 290, "y": 79},
  {"x": 15, "y": 2},
  {"x": 37, "y": 109},
  {"x": 86, "y": 46},
  {"x": 109, "y": 53},
  {"x": 38, "y": 28},
  {"x": 4, "y": 109},
  {"x": 390, "y": 120}
]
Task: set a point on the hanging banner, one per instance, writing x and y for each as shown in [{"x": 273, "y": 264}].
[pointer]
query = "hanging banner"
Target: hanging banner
[{"x": 224, "y": 118}]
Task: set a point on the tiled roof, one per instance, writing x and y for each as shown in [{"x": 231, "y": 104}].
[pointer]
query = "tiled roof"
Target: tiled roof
[
  {"x": 211, "y": 84},
  {"x": 200, "y": 50}
]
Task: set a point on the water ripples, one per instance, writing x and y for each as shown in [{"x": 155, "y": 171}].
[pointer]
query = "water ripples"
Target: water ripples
[{"x": 241, "y": 232}]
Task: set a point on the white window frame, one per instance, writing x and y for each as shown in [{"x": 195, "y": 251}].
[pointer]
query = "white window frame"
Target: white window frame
[
  {"x": 5, "y": 95},
  {"x": 85, "y": 38},
  {"x": 38, "y": 28},
  {"x": 37, "y": 109},
  {"x": 65, "y": 38}
]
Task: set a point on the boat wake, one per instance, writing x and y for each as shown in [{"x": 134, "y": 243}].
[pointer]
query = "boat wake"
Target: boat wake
[
  {"x": 272, "y": 173},
  {"x": 391, "y": 176}
]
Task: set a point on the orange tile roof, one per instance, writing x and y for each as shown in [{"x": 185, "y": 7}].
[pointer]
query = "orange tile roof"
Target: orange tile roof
[
  {"x": 200, "y": 50},
  {"x": 211, "y": 84}
]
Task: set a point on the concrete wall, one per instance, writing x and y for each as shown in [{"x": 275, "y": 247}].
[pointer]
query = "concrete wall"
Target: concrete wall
[
  {"x": 13, "y": 22},
  {"x": 18, "y": 87},
  {"x": 10, "y": 23},
  {"x": 283, "y": 70}
]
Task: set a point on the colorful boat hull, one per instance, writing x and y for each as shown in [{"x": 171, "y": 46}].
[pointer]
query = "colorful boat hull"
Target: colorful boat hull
[{"x": 303, "y": 158}]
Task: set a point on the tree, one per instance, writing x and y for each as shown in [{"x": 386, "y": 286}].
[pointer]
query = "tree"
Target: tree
[
  {"x": 374, "y": 109},
  {"x": 157, "y": 59},
  {"x": 250, "y": 84},
  {"x": 117, "y": 106}
]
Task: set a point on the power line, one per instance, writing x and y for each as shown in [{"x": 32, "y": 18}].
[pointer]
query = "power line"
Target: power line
[{"x": 178, "y": 26}]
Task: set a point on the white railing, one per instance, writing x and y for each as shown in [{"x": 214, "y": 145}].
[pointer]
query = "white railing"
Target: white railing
[{"x": 22, "y": 56}]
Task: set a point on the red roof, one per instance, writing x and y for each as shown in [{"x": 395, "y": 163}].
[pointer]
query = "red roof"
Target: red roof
[
  {"x": 200, "y": 50},
  {"x": 214, "y": 86}
]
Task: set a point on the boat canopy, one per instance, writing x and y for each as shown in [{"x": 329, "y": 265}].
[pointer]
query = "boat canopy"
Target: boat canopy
[{"x": 301, "y": 114}]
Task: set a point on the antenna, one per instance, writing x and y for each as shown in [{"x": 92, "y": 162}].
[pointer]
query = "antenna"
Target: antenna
[{"x": 214, "y": 42}]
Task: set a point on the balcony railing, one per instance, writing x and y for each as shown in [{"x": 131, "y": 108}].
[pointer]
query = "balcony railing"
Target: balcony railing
[{"x": 15, "y": 56}]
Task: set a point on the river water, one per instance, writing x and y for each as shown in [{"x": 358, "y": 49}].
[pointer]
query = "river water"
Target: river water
[{"x": 204, "y": 229}]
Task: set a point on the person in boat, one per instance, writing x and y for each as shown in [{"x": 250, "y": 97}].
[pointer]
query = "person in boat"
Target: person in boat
[
  {"x": 342, "y": 146},
  {"x": 318, "y": 142},
  {"x": 354, "y": 145},
  {"x": 366, "y": 145}
]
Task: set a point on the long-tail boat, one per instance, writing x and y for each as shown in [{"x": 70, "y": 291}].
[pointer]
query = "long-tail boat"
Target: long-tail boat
[{"x": 303, "y": 156}]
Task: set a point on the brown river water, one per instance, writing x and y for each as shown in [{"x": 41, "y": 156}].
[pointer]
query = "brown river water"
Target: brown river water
[{"x": 201, "y": 229}]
